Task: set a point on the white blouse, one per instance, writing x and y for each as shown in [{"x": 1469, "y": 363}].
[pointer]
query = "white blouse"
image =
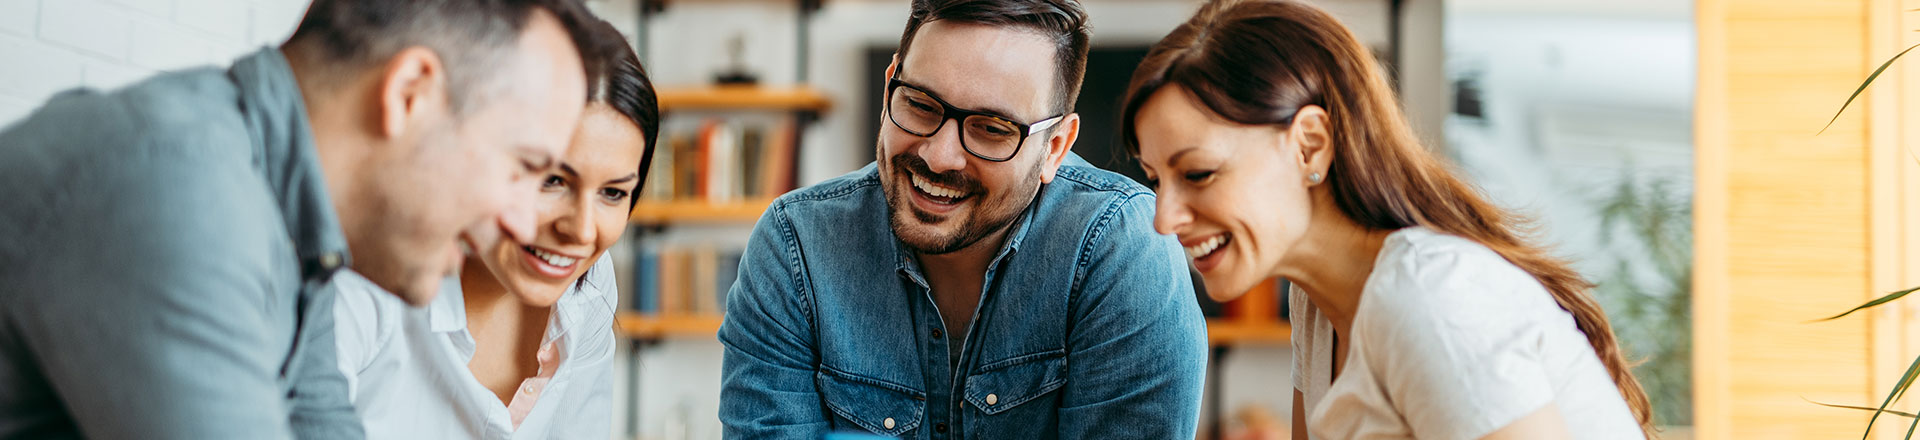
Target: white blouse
[
  {"x": 407, "y": 372},
  {"x": 1450, "y": 341}
]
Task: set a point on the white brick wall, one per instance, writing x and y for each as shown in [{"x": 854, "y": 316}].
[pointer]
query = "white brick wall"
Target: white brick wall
[{"x": 51, "y": 45}]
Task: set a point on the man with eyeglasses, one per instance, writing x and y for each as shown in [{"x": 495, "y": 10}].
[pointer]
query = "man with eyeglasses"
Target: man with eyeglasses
[{"x": 977, "y": 280}]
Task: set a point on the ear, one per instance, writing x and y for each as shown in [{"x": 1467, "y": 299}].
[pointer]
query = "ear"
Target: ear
[
  {"x": 1311, "y": 132},
  {"x": 413, "y": 87},
  {"x": 892, "y": 67},
  {"x": 1064, "y": 133}
]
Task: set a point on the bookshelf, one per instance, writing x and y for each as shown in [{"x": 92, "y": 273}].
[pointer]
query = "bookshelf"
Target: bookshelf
[
  {"x": 804, "y": 99},
  {"x": 638, "y": 326},
  {"x": 698, "y": 211}
]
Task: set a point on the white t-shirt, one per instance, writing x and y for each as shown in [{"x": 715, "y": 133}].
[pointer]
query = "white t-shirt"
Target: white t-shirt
[
  {"x": 1450, "y": 341},
  {"x": 406, "y": 367}
]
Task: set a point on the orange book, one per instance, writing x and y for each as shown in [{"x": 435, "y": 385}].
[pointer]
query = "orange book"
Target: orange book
[
  {"x": 776, "y": 168},
  {"x": 709, "y": 130},
  {"x": 1260, "y": 304},
  {"x": 672, "y": 286}
]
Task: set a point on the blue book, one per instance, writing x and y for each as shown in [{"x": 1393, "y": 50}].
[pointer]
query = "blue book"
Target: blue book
[
  {"x": 728, "y": 272},
  {"x": 646, "y": 280}
]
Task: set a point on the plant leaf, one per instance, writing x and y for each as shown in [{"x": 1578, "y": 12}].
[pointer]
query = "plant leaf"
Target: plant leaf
[
  {"x": 1906, "y": 380},
  {"x": 1863, "y": 87},
  {"x": 1881, "y": 300},
  {"x": 1862, "y": 408}
]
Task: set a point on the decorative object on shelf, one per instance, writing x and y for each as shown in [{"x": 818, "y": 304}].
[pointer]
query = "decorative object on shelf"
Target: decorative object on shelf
[{"x": 737, "y": 73}]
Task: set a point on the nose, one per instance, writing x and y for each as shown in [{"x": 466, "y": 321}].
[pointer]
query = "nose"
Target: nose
[
  {"x": 1170, "y": 214},
  {"x": 943, "y": 151},
  {"x": 572, "y": 223},
  {"x": 517, "y": 222}
]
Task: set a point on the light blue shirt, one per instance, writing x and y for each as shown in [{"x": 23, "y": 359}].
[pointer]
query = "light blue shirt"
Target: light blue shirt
[{"x": 165, "y": 257}]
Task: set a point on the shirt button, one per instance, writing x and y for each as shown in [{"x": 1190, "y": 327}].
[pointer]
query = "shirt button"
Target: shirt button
[
  {"x": 528, "y": 388},
  {"x": 329, "y": 261},
  {"x": 993, "y": 399},
  {"x": 888, "y": 423},
  {"x": 939, "y": 334},
  {"x": 940, "y": 428}
]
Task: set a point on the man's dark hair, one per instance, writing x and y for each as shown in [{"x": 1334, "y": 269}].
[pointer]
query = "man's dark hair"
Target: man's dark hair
[
  {"x": 617, "y": 80},
  {"x": 1062, "y": 21},
  {"x": 470, "y": 36}
]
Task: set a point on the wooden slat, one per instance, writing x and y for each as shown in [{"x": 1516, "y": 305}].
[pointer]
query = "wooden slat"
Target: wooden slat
[{"x": 1785, "y": 220}]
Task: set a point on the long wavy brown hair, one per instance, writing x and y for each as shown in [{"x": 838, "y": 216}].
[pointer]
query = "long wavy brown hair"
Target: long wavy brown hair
[{"x": 1257, "y": 62}]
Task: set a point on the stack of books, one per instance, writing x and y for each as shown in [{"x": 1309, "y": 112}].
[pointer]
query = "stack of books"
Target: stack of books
[
  {"x": 683, "y": 280},
  {"x": 722, "y": 160}
]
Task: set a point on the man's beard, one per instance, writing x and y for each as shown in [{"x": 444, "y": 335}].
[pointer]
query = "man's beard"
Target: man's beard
[{"x": 989, "y": 216}]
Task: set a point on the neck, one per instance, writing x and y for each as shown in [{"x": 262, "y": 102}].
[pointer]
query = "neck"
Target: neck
[
  {"x": 334, "y": 116},
  {"x": 486, "y": 300},
  {"x": 967, "y": 263},
  {"x": 1332, "y": 262}
]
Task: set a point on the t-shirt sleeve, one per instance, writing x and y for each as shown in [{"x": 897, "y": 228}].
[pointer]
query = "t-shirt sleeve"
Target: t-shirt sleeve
[{"x": 1454, "y": 342}]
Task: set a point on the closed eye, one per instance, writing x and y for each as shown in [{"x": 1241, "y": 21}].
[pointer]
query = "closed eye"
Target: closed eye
[
  {"x": 614, "y": 194},
  {"x": 1199, "y": 176}
]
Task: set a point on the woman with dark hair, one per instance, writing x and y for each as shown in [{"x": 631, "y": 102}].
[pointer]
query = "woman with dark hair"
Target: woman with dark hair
[
  {"x": 1420, "y": 309},
  {"x": 519, "y": 346}
]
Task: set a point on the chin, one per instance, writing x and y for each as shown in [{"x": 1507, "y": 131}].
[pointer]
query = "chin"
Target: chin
[
  {"x": 1226, "y": 286},
  {"x": 419, "y": 292},
  {"x": 538, "y": 293}
]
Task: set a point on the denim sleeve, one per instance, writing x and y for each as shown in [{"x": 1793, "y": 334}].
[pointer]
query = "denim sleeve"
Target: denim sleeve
[
  {"x": 766, "y": 381},
  {"x": 1137, "y": 352},
  {"x": 163, "y": 329}
]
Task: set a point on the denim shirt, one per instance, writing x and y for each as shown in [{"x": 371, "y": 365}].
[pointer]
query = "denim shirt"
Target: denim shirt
[
  {"x": 1087, "y": 327},
  {"x": 166, "y": 254}
]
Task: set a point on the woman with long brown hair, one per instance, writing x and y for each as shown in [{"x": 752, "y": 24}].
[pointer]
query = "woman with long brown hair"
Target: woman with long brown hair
[{"x": 1420, "y": 310}]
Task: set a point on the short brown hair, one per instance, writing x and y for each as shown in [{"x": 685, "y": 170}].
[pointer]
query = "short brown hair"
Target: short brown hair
[
  {"x": 1062, "y": 21},
  {"x": 468, "y": 35}
]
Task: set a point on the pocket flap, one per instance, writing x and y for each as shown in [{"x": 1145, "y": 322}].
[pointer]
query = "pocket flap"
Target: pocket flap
[
  {"x": 871, "y": 403},
  {"x": 1002, "y": 385}
]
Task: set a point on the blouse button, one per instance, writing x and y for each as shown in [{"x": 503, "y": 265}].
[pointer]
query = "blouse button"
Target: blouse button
[{"x": 528, "y": 388}]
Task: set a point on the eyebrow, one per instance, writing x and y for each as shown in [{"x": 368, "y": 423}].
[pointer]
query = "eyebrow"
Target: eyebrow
[
  {"x": 992, "y": 111},
  {"x": 1175, "y": 158},
  {"x": 533, "y": 156},
  {"x": 568, "y": 169},
  {"x": 628, "y": 178}
]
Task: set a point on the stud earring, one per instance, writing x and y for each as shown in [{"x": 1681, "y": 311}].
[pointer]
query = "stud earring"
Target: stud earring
[{"x": 1313, "y": 178}]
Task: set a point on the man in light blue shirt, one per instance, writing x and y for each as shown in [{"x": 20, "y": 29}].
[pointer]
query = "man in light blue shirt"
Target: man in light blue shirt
[
  {"x": 978, "y": 281},
  {"x": 166, "y": 249}
]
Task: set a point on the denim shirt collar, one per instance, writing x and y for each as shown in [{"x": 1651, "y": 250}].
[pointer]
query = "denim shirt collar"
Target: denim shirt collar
[
  {"x": 909, "y": 265},
  {"x": 276, "y": 117}
]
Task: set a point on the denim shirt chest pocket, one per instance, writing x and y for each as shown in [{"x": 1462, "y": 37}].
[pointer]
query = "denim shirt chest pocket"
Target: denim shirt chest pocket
[
  {"x": 1016, "y": 397},
  {"x": 869, "y": 404}
]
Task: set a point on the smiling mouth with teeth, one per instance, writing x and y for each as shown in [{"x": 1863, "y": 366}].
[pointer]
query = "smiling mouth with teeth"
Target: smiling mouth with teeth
[
  {"x": 938, "y": 193},
  {"x": 1206, "y": 248},
  {"x": 556, "y": 260}
]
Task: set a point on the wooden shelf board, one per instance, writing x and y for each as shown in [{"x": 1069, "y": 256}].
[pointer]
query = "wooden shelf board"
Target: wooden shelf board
[
  {"x": 1237, "y": 332},
  {"x": 1219, "y": 331},
  {"x": 743, "y": 98},
  {"x": 682, "y": 211},
  {"x": 638, "y": 326}
]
